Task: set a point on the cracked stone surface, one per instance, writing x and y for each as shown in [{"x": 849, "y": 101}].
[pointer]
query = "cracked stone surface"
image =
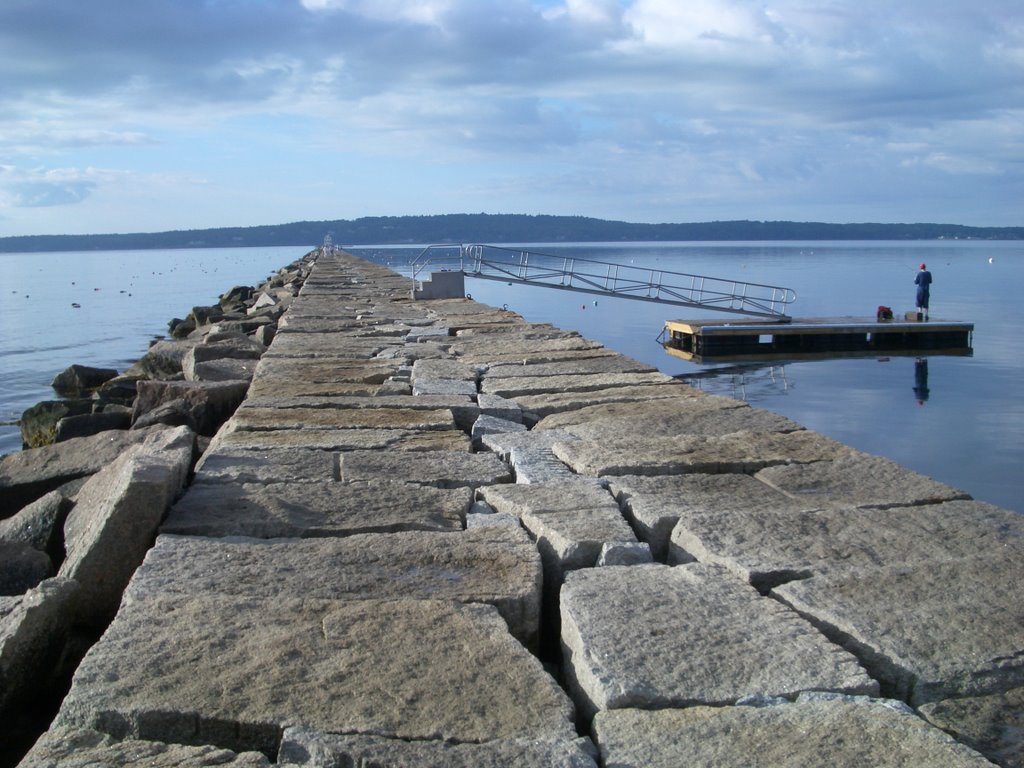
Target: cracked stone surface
[{"x": 653, "y": 636}]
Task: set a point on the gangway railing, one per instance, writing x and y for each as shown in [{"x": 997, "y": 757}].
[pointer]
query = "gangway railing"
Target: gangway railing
[{"x": 513, "y": 265}]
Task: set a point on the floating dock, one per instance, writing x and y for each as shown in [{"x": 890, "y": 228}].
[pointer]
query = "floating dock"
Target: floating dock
[{"x": 811, "y": 338}]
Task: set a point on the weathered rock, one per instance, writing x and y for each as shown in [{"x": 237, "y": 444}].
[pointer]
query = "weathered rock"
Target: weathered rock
[
  {"x": 38, "y": 424},
  {"x": 76, "y": 379},
  {"x": 265, "y": 334},
  {"x": 85, "y": 748},
  {"x": 224, "y": 369},
  {"x": 206, "y": 315},
  {"x": 28, "y": 475},
  {"x": 839, "y": 731},
  {"x": 120, "y": 390},
  {"x": 926, "y": 631},
  {"x": 738, "y": 452},
  {"x": 624, "y": 553},
  {"x": 206, "y": 405},
  {"x": 442, "y": 469},
  {"x": 40, "y": 524},
  {"x": 305, "y": 747},
  {"x": 327, "y": 508},
  {"x": 858, "y": 480},
  {"x": 34, "y": 628},
  {"x": 22, "y": 567},
  {"x": 423, "y": 386},
  {"x": 650, "y": 636},
  {"x": 498, "y": 566},
  {"x": 239, "y": 293},
  {"x": 499, "y": 407},
  {"x": 116, "y": 516},
  {"x": 444, "y": 369},
  {"x": 993, "y": 725},
  {"x": 165, "y": 671},
  {"x": 162, "y": 360},
  {"x": 91, "y": 424},
  {"x": 768, "y": 547},
  {"x": 685, "y": 414}
]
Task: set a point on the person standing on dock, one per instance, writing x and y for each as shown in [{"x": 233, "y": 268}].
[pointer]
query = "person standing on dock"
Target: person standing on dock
[{"x": 923, "y": 280}]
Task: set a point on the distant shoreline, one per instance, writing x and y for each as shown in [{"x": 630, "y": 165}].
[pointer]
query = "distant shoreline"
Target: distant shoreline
[{"x": 482, "y": 227}]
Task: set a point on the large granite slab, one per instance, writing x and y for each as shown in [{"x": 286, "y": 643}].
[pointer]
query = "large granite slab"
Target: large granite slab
[
  {"x": 312, "y": 346},
  {"x": 495, "y": 565},
  {"x": 463, "y": 407},
  {"x": 654, "y": 504},
  {"x": 697, "y": 421},
  {"x": 327, "y": 508},
  {"x": 838, "y": 731},
  {"x": 444, "y": 369},
  {"x": 254, "y": 419},
  {"x": 346, "y": 439},
  {"x": 281, "y": 388},
  {"x": 858, "y": 480},
  {"x": 678, "y": 402},
  {"x": 993, "y": 724},
  {"x": 442, "y": 469},
  {"x": 768, "y": 547},
  {"x": 305, "y": 747},
  {"x": 116, "y": 516},
  {"x": 548, "y": 403},
  {"x": 516, "y": 386},
  {"x": 330, "y": 371},
  {"x": 272, "y": 465},
  {"x": 653, "y": 636},
  {"x": 231, "y": 671},
  {"x": 926, "y": 631},
  {"x": 577, "y": 367},
  {"x": 739, "y": 452}
]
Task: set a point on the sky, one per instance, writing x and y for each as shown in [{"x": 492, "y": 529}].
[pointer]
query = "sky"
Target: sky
[{"x": 154, "y": 115}]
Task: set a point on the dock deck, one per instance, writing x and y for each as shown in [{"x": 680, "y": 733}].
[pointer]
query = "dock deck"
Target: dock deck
[{"x": 808, "y": 338}]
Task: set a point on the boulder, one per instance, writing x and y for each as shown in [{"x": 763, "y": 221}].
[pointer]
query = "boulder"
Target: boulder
[
  {"x": 27, "y": 475},
  {"x": 76, "y": 379},
  {"x": 91, "y": 423},
  {"x": 180, "y": 329},
  {"x": 40, "y": 525},
  {"x": 205, "y": 405},
  {"x": 240, "y": 293},
  {"x": 162, "y": 361},
  {"x": 22, "y": 567},
  {"x": 265, "y": 334},
  {"x": 116, "y": 516},
  {"x": 120, "y": 390},
  {"x": 39, "y": 423},
  {"x": 34, "y": 629},
  {"x": 201, "y": 316},
  {"x": 224, "y": 369}
]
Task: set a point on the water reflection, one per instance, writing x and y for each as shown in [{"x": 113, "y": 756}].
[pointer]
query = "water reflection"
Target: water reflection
[
  {"x": 750, "y": 382},
  {"x": 921, "y": 390}
]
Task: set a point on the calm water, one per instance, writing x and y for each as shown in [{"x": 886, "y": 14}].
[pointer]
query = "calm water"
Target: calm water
[{"x": 969, "y": 432}]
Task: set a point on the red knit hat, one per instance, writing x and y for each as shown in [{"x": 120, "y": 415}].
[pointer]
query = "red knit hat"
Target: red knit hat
[{"x": 922, "y": 265}]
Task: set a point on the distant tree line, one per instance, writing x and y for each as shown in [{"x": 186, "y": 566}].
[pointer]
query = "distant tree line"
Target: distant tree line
[{"x": 496, "y": 228}]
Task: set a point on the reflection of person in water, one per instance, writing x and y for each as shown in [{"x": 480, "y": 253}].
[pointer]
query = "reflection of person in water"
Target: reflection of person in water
[{"x": 921, "y": 380}]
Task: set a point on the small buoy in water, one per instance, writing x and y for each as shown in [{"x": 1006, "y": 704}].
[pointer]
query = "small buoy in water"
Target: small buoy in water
[{"x": 989, "y": 259}]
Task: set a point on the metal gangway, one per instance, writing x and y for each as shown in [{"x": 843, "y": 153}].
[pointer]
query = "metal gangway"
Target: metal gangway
[{"x": 569, "y": 273}]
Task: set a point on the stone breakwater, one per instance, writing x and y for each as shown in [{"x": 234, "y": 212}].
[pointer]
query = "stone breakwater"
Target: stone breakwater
[{"x": 435, "y": 534}]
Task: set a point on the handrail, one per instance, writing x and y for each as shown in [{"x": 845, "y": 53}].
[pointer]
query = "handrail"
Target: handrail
[{"x": 492, "y": 262}]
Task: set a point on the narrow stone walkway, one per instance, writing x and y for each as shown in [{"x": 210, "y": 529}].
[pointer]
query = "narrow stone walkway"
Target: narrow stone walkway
[{"x": 435, "y": 534}]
